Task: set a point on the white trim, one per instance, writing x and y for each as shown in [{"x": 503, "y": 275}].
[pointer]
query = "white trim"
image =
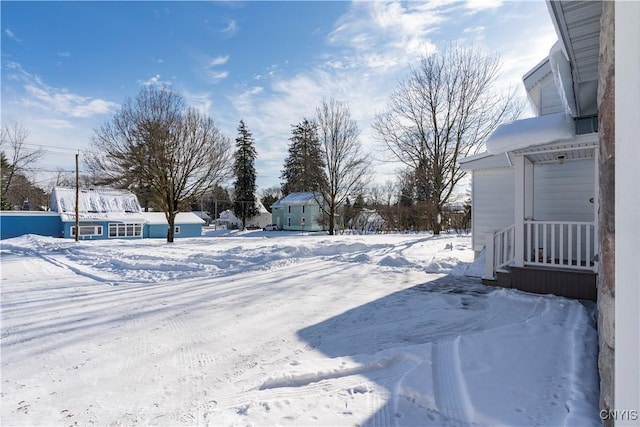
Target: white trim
[
  {"x": 519, "y": 209},
  {"x": 98, "y": 230},
  {"x": 627, "y": 177}
]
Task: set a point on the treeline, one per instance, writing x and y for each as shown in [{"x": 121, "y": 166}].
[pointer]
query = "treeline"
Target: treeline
[{"x": 173, "y": 156}]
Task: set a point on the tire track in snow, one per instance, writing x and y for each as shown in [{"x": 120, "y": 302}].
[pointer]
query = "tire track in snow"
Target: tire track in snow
[
  {"x": 347, "y": 381},
  {"x": 450, "y": 389},
  {"x": 382, "y": 401}
]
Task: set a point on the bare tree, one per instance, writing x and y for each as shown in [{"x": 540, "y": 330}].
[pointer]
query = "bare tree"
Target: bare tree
[
  {"x": 443, "y": 110},
  {"x": 345, "y": 164},
  {"x": 154, "y": 142},
  {"x": 14, "y": 137}
]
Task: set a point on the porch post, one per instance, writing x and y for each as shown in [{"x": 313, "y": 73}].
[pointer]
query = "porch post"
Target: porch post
[{"x": 523, "y": 203}]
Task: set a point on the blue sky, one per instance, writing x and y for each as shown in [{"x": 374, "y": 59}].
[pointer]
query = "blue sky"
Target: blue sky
[{"x": 67, "y": 66}]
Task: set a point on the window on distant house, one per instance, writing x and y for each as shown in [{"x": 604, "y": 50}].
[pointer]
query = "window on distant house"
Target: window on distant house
[
  {"x": 176, "y": 229},
  {"x": 288, "y": 221},
  {"x": 288, "y": 209},
  {"x": 125, "y": 230},
  {"x": 302, "y": 208},
  {"x": 88, "y": 230}
]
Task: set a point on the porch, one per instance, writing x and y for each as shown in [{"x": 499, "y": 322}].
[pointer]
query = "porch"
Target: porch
[
  {"x": 552, "y": 246},
  {"x": 558, "y": 258}
]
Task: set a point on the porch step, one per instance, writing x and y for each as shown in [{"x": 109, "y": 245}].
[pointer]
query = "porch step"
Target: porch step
[
  {"x": 568, "y": 283},
  {"x": 503, "y": 279}
]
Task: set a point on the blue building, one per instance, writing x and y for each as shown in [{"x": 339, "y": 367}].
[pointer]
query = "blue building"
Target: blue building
[
  {"x": 187, "y": 224},
  {"x": 17, "y": 223},
  {"x": 102, "y": 214}
]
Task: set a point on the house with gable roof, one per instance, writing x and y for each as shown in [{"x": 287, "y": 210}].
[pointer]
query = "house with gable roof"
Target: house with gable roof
[
  {"x": 535, "y": 189},
  {"x": 300, "y": 211}
]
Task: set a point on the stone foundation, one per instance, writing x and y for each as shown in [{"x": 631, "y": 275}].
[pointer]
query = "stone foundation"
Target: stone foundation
[{"x": 606, "y": 214}]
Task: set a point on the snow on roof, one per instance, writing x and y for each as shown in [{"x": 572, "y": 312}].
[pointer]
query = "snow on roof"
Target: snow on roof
[
  {"x": 202, "y": 215},
  {"x": 104, "y": 216},
  {"x": 96, "y": 205},
  {"x": 484, "y": 161},
  {"x": 302, "y": 198},
  {"x": 228, "y": 215},
  {"x": 530, "y": 132},
  {"x": 105, "y": 201},
  {"x": 159, "y": 218}
]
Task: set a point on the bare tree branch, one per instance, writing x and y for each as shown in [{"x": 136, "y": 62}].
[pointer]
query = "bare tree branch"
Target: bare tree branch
[
  {"x": 158, "y": 147},
  {"x": 345, "y": 165},
  {"x": 444, "y": 110},
  {"x": 14, "y": 137}
]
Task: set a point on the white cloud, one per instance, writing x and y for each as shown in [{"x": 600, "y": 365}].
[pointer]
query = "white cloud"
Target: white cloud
[
  {"x": 475, "y": 6},
  {"x": 212, "y": 70},
  {"x": 200, "y": 100},
  {"x": 476, "y": 30},
  {"x": 154, "y": 81},
  {"x": 11, "y": 35},
  {"x": 231, "y": 28},
  {"x": 36, "y": 94},
  {"x": 218, "y": 60},
  {"x": 217, "y": 75},
  {"x": 64, "y": 54},
  {"x": 382, "y": 36}
]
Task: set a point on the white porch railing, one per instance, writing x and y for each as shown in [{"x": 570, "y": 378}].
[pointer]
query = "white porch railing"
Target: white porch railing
[
  {"x": 500, "y": 250},
  {"x": 561, "y": 244}
]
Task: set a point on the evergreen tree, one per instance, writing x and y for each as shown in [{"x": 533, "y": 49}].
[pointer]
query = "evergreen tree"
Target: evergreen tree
[
  {"x": 303, "y": 168},
  {"x": 270, "y": 196},
  {"x": 4, "y": 173},
  {"x": 244, "y": 205}
]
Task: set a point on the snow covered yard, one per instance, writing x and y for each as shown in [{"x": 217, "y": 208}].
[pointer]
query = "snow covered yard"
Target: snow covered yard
[{"x": 268, "y": 328}]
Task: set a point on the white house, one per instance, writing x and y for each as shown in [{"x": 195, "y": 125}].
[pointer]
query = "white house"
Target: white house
[
  {"x": 367, "y": 221},
  {"x": 534, "y": 190},
  {"x": 229, "y": 219}
]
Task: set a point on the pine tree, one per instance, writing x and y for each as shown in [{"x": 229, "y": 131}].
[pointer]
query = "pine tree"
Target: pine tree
[
  {"x": 303, "y": 168},
  {"x": 4, "y": 172},
  {"x": 244, "y": 205}
]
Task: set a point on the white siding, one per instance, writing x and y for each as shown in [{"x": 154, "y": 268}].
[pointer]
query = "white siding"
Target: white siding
[
  {"x": 550, "y": 101},
  {"x": 562, "y": 191},
  {"x": 493, "y": 202}
]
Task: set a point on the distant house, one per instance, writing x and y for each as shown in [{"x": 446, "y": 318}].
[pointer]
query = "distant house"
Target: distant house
[
  {"x": 263, "y": 217},
  {"x": 230, "y": 220},
  {"x": 367, "y": 221},
  {"x": 102, "y": 214},
  {"x": 298, "y": 211},
  {"x": 205, "y": 217},
  {"x": 534, "y": 190},
  {"x": 187, "y": 224}
]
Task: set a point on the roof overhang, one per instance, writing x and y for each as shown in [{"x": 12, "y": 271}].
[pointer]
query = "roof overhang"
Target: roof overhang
[
  {"x": 485, "y": 161},
  {"x": 579, "y": 147},
  {"x": 577, "y": 25}
]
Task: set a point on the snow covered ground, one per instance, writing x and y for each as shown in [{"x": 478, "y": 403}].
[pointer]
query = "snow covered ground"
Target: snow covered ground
[{"x": 270, "y": 328}]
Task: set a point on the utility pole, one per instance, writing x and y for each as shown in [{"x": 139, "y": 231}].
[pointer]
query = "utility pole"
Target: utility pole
[{"x": 77, "y": 199}]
